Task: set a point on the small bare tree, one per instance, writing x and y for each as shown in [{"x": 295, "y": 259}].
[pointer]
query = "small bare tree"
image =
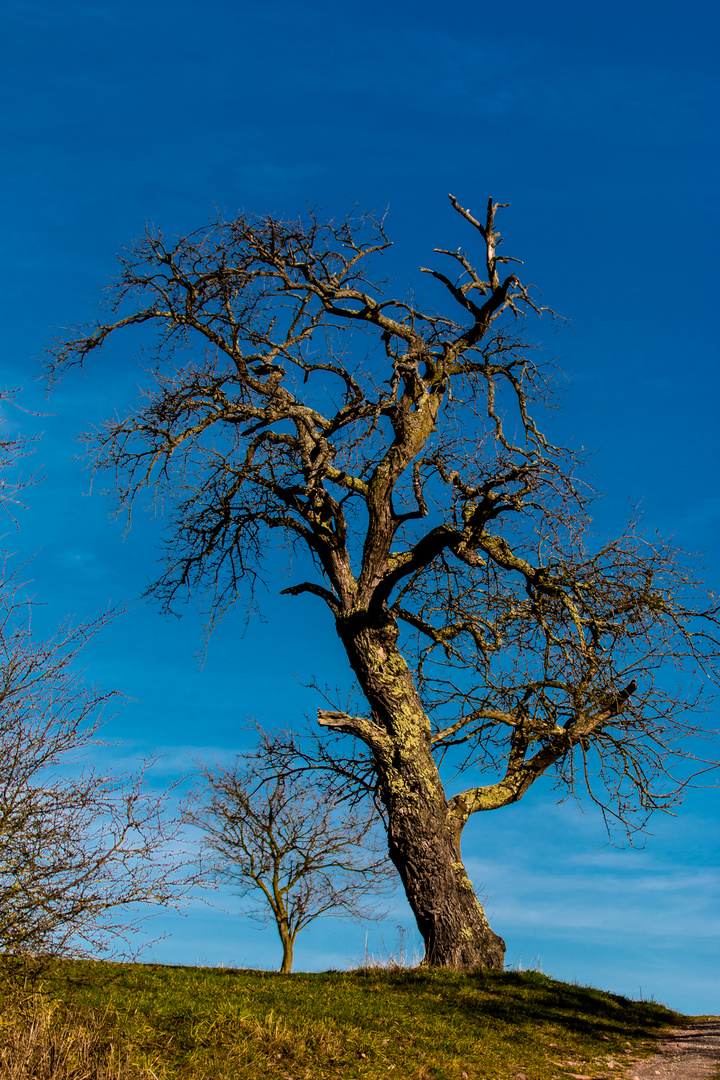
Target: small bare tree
[
  {"x": 296, "y": 403},
  {"x": 273, "y": 835},
  {"x": 79, "y": 848}
]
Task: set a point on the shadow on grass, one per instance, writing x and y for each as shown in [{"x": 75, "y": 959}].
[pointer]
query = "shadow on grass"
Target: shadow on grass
[{"x": 529, "y": 999}]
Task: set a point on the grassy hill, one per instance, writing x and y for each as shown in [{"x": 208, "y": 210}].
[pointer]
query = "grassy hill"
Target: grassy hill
[{"x": 83, "y": 1020}]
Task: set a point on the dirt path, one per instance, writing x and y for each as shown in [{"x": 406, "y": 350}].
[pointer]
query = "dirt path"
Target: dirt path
[{"x": 685, "y": 1054}]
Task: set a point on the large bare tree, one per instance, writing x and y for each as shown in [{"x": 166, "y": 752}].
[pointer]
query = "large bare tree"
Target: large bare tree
[{"x": 294, "y": 398}]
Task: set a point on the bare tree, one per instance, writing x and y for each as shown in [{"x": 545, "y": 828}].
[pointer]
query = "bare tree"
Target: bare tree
[
  {"x": 79, "y": 848},
  {"x": 293, "y": 397},
  {"x": 268, "y": 833}
]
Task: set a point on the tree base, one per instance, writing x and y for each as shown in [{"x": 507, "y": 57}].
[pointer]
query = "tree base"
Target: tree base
[{"x": 484, "y": 951}]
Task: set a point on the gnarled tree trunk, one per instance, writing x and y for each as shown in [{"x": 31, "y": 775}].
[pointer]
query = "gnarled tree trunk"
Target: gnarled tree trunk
[
  {"x": 427, "y": 856},
  {"x": 423, "y": 837}
]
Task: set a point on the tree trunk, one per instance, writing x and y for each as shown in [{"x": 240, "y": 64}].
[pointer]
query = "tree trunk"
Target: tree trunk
[
  {"x": 287, "y": 944},
  {"x": 423, "y": 839},
  {"x": 426, "y": 852}
]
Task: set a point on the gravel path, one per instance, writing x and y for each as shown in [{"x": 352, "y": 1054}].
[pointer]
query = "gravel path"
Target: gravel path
[{"x": 686, "y": 1054}]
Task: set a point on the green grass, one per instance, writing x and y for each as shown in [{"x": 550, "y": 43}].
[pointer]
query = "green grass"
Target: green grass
[{"x": 415, "y": 1024}]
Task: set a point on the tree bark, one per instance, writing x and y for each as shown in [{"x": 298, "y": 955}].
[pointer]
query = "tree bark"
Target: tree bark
[
  {"x": 450, "y": 918},
  {"x": 287, "y": 944},
  {"x": 423, "y": 837}
]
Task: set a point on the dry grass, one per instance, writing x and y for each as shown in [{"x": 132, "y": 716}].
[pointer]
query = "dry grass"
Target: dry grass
[{"x": 43, "y": 1040}]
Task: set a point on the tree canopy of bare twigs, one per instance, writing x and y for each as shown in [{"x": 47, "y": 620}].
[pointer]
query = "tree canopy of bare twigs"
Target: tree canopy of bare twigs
[
  {"x": 296, "y": 400},
  {"x": 80, "y": 848},
  {"x": 302, "y": 855}
]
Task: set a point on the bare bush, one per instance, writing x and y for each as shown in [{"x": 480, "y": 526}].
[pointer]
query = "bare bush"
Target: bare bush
[{"x": 82, "y": 851}]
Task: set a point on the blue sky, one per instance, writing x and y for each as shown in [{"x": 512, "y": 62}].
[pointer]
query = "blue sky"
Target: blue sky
[{"x": 598, "y": 123}]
